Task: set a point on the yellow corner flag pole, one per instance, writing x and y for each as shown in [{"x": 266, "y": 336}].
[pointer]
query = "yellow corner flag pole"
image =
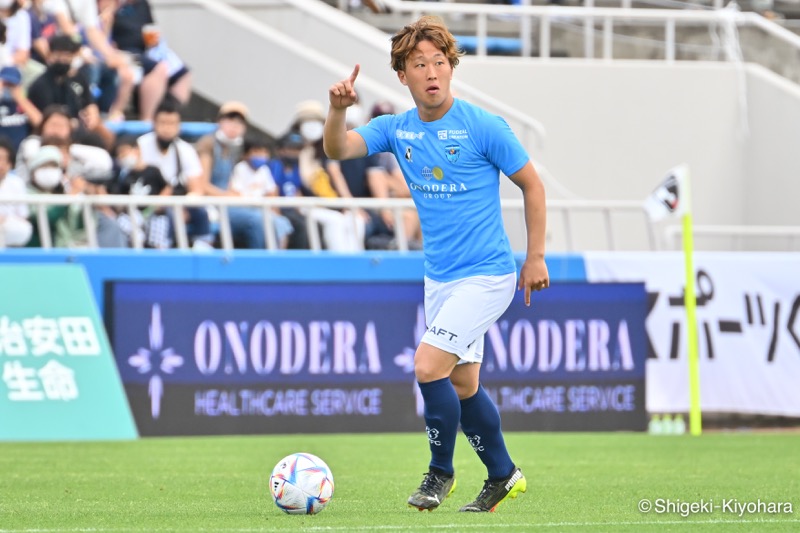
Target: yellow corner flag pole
[
  {"x": 690, "y": 301},
  {"x": 673, "y": 198}
]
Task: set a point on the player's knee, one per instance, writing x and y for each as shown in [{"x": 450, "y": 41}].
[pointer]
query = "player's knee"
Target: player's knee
[
  {"x": 424, "y": 372},
  {"x": 465, "y": 390}
]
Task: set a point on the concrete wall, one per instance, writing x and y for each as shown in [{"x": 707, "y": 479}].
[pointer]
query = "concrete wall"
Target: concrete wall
[
  {"x": 771, "y": 180},
  {"x": 614, "y": 129}
]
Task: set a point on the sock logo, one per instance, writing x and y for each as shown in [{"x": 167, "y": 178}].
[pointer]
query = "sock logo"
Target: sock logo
[
  {"x": 475, "y": 442},
  {"x": 433, "y": 434}
]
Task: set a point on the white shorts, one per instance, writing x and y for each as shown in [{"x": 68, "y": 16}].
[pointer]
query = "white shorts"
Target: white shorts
[{"x": 459, "y": 313}]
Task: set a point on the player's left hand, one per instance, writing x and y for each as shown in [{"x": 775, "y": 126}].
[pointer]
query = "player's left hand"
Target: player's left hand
[{"x": 533, "y": 276}]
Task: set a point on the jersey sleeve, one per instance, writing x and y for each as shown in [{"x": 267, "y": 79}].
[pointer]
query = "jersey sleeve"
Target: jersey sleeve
[
  {"x": 502, "y": 147},
  {"x": 376, "y": 134}
]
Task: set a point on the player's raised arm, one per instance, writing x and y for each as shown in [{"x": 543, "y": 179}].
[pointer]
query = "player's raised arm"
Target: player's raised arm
[{"x": 338, "y": 142}]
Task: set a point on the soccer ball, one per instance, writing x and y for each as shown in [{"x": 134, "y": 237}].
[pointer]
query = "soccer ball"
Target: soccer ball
[{"x": 301, "y": 483}]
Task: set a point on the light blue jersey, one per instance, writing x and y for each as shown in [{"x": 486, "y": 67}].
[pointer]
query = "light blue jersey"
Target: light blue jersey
[{"x": 452, "y": 166}]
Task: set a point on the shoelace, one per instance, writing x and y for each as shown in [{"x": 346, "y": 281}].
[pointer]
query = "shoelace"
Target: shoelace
[
  {"x": 488, "y": 488},
  {"x": 432, "y": 483}
]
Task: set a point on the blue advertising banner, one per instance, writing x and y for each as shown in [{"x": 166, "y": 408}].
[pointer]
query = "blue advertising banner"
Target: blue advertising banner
[{"x": 219, "y": 357}]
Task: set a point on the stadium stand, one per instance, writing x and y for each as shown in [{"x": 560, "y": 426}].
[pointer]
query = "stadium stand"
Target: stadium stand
[{"x": 579, "y": 221}]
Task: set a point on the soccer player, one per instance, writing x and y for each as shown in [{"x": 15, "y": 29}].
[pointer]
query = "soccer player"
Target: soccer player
[{"x": 451, "y": 153}]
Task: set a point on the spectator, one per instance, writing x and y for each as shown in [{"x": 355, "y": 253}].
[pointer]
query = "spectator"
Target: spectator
[
  {"x": 76, "y": 170},
  {"x": 79, "y": 19},
  {"x": 15, "y": 228},
  {"x": 56, "y": 122},
  {"x": 221, "y": 150},
  {"x": 47, "y": 177},
  {"x": 60, "y": 84},
  {"x": 17, "y": 113},
  {"x": 43, "y": 26},
  {"x": 162, "y": 70},
  {"x": 181, "y": 168},
  {"x": 341, "y": 231},
  {"x": 136, "y": 178},
  {"x": 286, "y": 174},
  {"x": 18, "y": 38},
  {"x": 252, "y": 177},
  {"x": 219, "y": 153},
  {"x": 88, "y": 170}
]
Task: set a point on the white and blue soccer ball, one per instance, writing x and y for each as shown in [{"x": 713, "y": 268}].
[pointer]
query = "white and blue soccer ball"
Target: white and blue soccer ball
[{"x": 301, "y": 483}]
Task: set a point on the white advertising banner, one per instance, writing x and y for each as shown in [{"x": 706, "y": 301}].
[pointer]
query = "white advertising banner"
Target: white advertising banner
[{"x": 748, "y": 320}]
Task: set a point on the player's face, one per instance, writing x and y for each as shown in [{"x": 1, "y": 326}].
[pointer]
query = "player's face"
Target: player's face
[{"x": 427, "y": 75}]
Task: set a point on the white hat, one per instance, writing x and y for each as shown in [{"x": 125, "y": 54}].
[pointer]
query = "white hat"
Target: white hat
[{"x": 45, "y": 155}]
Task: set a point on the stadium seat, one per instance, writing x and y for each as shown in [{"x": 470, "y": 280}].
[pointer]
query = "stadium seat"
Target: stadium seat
[
  {"x": 494, "y": 45},
  {"x": 191, "y": 131}
]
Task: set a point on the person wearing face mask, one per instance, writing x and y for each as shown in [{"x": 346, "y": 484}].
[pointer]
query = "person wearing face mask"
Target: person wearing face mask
[
  {"x": 46, "y": 177},
  {"x": 181, "y": 168},
  {"x": 303, "y": 168},
  {"x": 61, "y": 85},
  {"x": 134, "y": 177},
  {"x": 59, "y": 167},
  {"x": 15, "y": 228},
  {"x": 252, "y": 177},
  {"x": 219, "y": 152},
  {"x": 285, "y": 171}
]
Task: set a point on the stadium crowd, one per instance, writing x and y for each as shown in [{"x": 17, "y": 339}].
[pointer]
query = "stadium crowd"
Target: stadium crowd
[{"x": 69, "y": 69}]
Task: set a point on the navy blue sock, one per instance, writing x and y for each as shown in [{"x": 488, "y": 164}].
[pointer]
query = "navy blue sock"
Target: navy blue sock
[
  {"x": 480, "y": 422},
  {"x": 442, "y": 413}
]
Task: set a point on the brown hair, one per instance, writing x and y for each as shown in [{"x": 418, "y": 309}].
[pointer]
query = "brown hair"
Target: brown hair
[{"x": 427, "y": 28}]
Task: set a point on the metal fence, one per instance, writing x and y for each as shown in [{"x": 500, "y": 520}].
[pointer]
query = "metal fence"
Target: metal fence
[
  {"x": 564, "y": 211},
  {"x": 567, "y": 221},
  {"x": 535, "y": 23}
]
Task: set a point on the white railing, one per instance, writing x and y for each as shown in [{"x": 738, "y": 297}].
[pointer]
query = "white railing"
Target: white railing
[
  {"x": 565, "y": 210},
  {"x": 698, "y": 4},
  {"x": 607, "y": 17},
  {"x": 737, "y": 237},
  {"x": 561, "y": 213}
]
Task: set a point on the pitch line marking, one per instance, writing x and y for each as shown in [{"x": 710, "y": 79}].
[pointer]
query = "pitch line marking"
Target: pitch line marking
[{"x": 406, "y": 527}]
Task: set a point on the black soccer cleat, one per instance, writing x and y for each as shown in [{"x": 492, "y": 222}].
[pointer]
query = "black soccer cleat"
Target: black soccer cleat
[
  {"x": 495, "y": 492},
  {"x": 432, "y": 491}
]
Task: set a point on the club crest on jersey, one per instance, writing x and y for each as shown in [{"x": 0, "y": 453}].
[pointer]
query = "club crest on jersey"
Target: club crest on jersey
[
  {"x": 408, "y": 154},
  {"x": 452, "y": 151}
]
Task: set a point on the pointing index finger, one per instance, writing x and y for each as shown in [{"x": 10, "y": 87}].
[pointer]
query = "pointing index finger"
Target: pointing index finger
[{"x": 354, "y": 75}]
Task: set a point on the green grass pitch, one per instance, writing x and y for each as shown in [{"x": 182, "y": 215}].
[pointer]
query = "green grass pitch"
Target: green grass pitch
[{"x": 576, "y": 482}]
